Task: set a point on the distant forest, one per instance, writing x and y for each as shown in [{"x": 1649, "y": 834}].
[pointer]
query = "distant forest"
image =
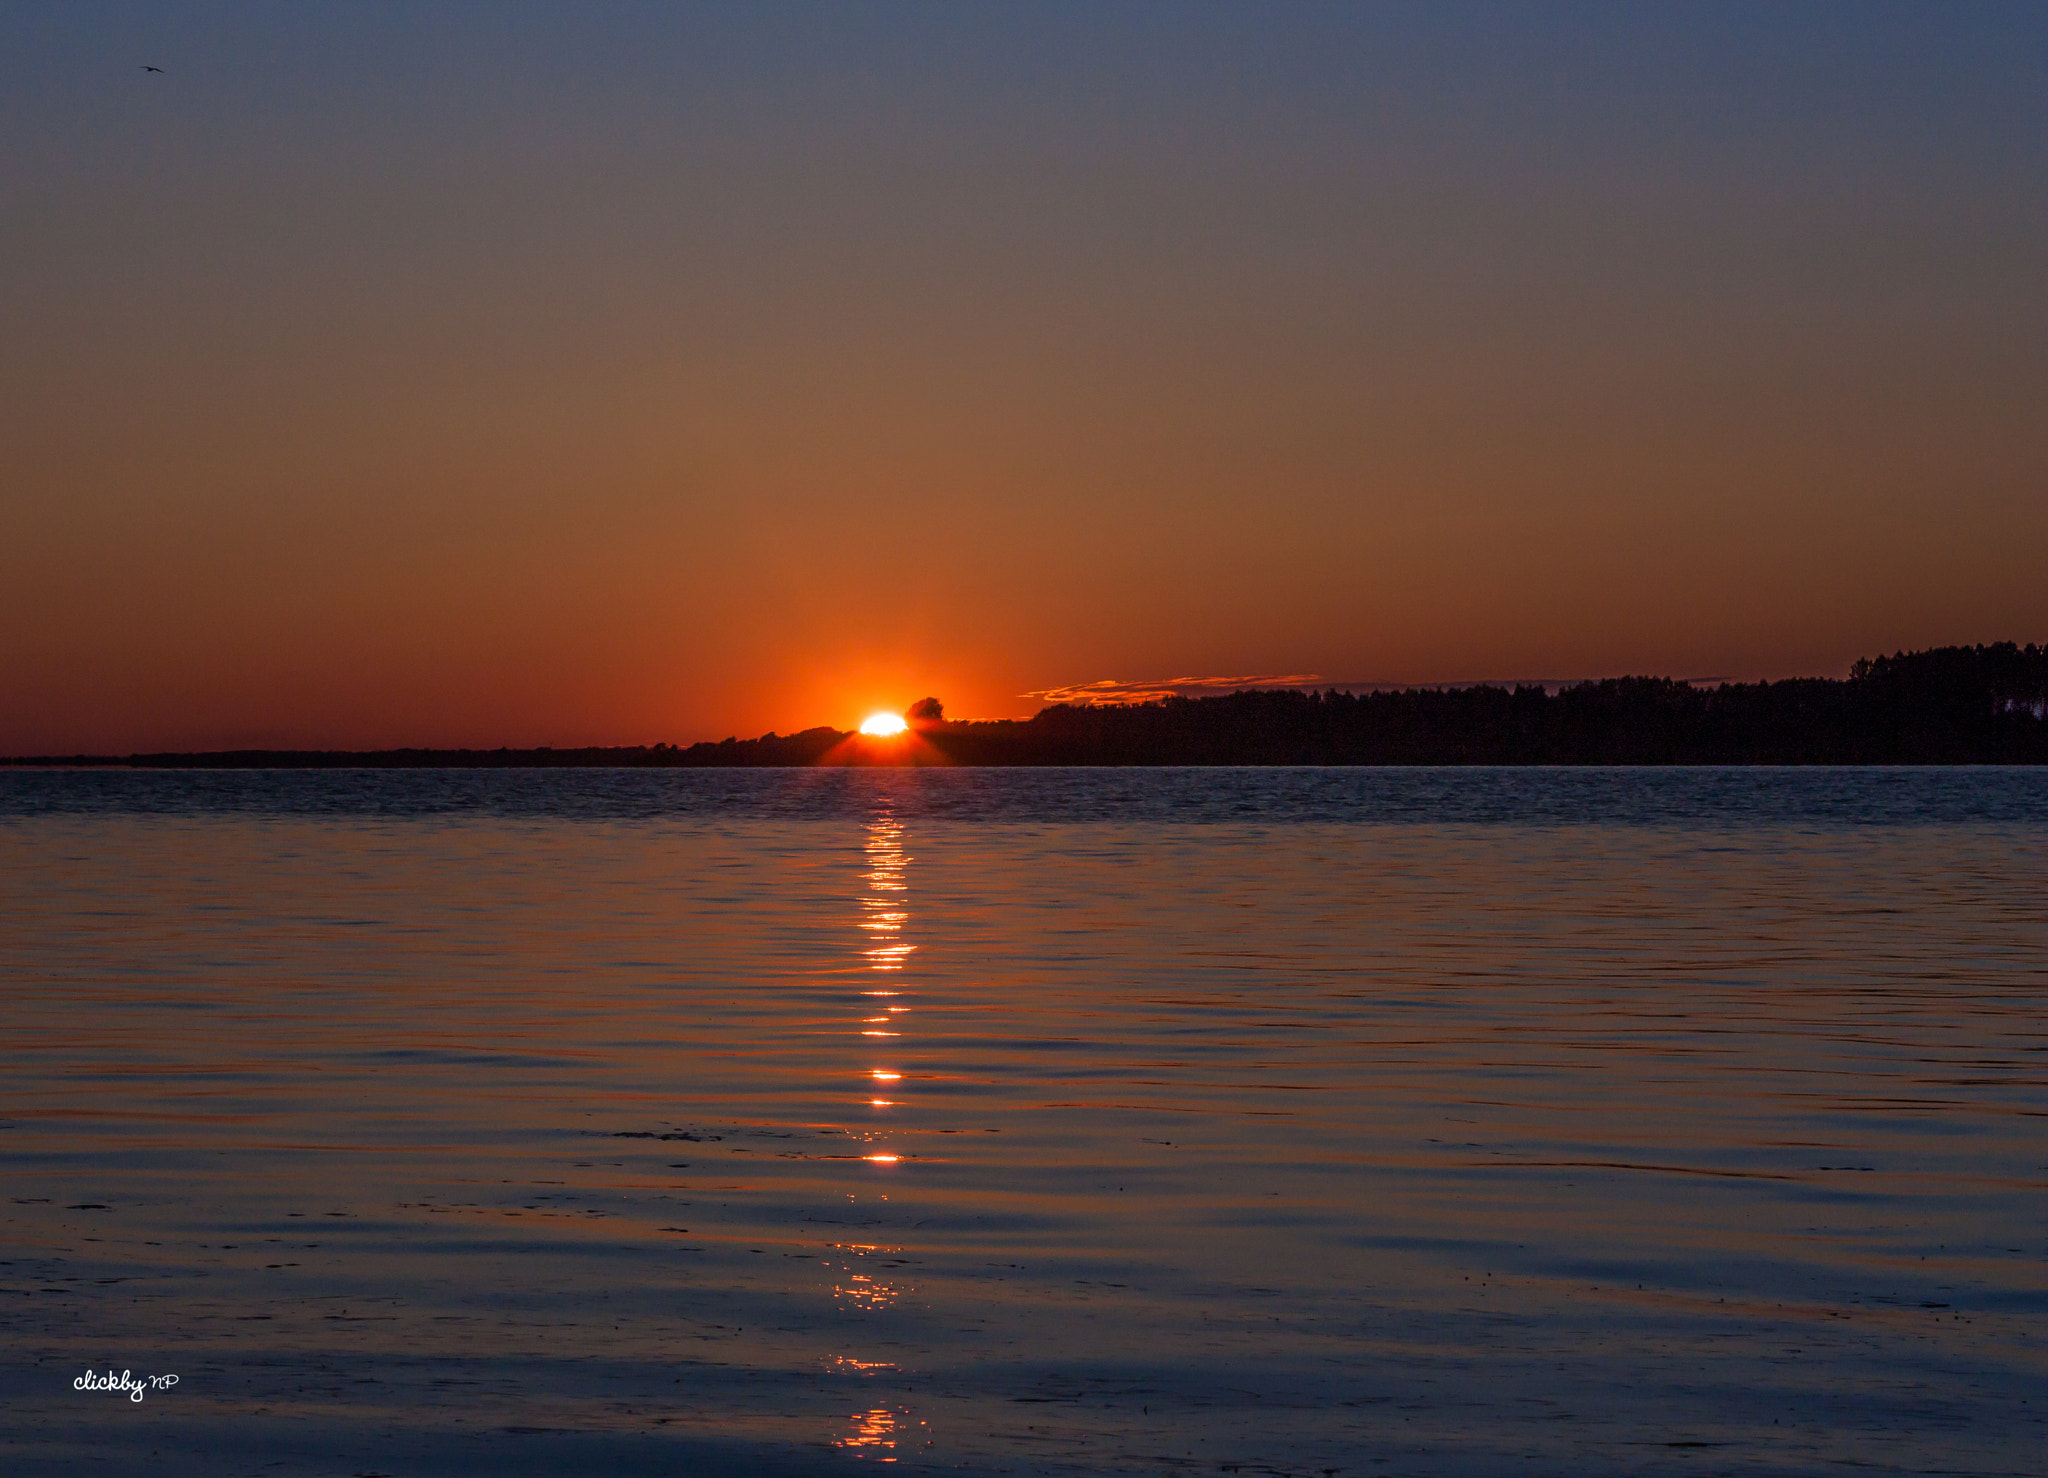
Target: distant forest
[{"x": 1951, "y": 705}]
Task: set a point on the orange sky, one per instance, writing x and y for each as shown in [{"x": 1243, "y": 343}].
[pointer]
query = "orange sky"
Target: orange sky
[{"x": 444, "y": 381}]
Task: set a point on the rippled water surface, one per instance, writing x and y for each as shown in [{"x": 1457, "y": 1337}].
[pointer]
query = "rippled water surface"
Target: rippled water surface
[{"x": 1041, "y": 1121}]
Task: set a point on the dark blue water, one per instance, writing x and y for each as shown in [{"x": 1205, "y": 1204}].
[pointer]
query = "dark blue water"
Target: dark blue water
[
  {"x": 1079, "y": 1122},
  {"x": 1575, "y": 796}
]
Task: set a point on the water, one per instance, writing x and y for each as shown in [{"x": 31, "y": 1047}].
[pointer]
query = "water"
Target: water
[{"x": 1048, "y": 1121}]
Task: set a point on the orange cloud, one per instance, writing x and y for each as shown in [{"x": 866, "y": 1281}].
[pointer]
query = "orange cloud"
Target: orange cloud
[{"x": 1110, "y": 690}]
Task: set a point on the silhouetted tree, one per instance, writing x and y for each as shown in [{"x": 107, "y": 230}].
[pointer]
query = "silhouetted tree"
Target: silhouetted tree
[{"x": 1950, "y": 705}]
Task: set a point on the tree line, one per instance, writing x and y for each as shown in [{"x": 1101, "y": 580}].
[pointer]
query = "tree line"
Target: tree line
[{"x": 1948, "y": 705}]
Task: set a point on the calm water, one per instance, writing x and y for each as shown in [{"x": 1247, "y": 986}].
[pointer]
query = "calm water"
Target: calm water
[{"x": 1057, "y": 1121}]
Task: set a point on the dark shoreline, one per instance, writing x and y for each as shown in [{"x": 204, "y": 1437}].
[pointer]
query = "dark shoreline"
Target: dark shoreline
[{"x": 1985, "y": 705}]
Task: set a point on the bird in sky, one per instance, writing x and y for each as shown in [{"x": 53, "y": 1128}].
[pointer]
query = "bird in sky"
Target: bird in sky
[{"x": 147, "y": 68}]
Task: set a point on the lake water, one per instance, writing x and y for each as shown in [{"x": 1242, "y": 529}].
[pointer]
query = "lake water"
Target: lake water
[{"x": 1076, "y": 1121}]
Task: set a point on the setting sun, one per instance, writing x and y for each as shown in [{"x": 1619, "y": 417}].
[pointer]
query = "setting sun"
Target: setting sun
[{"x": 882, "y": 724}]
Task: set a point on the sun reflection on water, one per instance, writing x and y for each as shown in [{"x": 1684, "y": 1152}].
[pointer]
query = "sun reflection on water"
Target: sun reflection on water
[
  {"x": 885, "y": 915},
  {"x": 884, "y": 910},
  {"x": 874, "y": 1434},
  {"x": 859, "y": 1289}
]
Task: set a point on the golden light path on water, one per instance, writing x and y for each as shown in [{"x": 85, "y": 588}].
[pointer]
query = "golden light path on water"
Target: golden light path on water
[{"x": 884, "y": 913}]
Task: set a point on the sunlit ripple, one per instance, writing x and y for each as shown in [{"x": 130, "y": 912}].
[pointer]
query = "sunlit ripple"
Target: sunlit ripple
[
  {"x": 887, "y": 914},
  {"x": 874, "y": 1434}
]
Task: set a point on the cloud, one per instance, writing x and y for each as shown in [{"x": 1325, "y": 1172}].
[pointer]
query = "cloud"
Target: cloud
[{"x": 1112, "y": 690}]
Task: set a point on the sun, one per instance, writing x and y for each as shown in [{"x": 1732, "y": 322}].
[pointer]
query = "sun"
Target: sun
[{"x": 882, "y": 724}]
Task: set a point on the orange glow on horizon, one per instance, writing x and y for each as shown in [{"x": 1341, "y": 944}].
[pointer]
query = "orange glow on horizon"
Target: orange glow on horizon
[{"x": 546, "y": 466}]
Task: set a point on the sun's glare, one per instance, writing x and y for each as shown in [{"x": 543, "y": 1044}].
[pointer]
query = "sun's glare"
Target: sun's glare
[{"x": 882, "y": 724}]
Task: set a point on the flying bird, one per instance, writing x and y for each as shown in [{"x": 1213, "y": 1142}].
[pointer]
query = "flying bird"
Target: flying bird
[{"x": 147, "y": 68}]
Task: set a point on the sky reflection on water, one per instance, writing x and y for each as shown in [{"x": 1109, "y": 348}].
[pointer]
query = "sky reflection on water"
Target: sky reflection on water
[{"x": 1302, "y": 1143}]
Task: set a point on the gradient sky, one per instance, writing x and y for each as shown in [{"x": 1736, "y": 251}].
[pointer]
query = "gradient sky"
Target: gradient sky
[{"x": 590, "y": 374}]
